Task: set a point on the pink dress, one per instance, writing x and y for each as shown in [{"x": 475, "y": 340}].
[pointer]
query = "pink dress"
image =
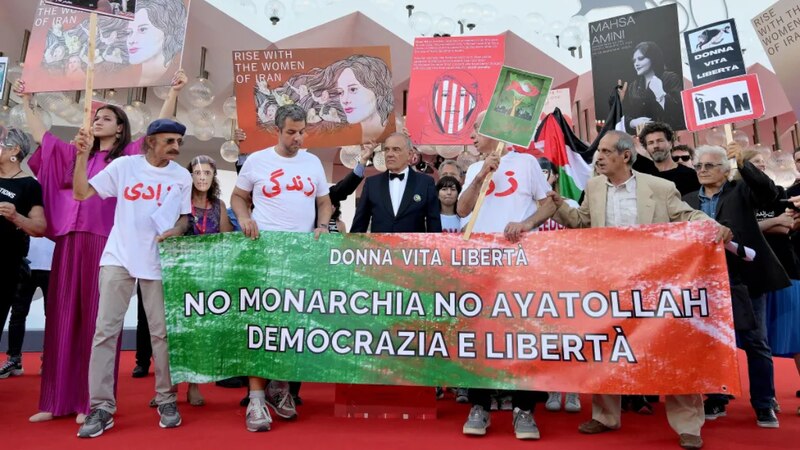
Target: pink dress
[{"x": 80, "y": 231}]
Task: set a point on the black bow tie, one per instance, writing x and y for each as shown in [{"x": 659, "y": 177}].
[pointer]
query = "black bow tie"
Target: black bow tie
[{"x": 399, "y": 176}]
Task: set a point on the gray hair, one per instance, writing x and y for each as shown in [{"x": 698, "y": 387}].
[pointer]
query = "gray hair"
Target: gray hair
[
  {"x": 452, "y": 162},
  {"x": 18, "y": 138},
  {"x": 624, "y": 143},
  {"x": 406, "y": 140},
  {"x": 292, "y": 111},
  {"x": 713, "y": 150}
]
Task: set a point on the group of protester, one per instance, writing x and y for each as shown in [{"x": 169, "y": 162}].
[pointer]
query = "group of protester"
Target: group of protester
[{"x": 106, "y": 201}]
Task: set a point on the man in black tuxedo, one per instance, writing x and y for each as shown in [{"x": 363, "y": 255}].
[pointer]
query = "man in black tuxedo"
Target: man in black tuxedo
[{"x": 399, "y": 200}]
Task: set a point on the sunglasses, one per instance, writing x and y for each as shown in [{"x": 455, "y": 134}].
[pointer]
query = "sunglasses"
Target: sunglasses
[
  {"x": 706, "y": 166},
  {"x": 683, "y": 158},
  {"x": 171, "y": 141}
]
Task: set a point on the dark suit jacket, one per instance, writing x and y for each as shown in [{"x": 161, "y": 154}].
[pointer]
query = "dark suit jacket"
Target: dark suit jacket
[
  {"x": 736, "y": 209},
  {"x": 419, "y": 210}
]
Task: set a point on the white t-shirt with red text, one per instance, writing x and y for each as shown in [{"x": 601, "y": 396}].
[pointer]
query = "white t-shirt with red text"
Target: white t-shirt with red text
[
  {"x": 284, "y": 190},
  {"x": 140, "y": 189},
  {"x": 516, "y": 186}
]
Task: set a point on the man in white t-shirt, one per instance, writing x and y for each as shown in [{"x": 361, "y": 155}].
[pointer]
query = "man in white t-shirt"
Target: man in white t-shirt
[
  {"x": 287, "y": 188},
  {"x": 153, "y": 195},
  {"x": 511, "y": 207}
]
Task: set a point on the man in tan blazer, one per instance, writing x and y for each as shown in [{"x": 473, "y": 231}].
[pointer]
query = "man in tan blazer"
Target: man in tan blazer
[{"x": 621, "y": 197}]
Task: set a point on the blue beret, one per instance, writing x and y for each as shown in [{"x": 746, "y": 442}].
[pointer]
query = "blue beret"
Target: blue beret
[{"x": 166, "y": 126}]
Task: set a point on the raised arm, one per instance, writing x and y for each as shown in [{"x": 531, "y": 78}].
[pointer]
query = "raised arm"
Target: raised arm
[
  {"x": 178, "y": 82},
  {"x": 81, "y": 189},
  {"x": 35, "y": 125},
  {"x": 468, "y": 198}
]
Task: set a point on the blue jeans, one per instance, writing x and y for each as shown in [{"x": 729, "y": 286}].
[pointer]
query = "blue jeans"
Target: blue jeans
[{"x": 759, "y": 359}]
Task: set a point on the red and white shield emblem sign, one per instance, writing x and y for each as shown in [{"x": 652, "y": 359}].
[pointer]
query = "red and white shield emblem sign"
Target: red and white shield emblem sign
[{"x": 454, "y": 104}]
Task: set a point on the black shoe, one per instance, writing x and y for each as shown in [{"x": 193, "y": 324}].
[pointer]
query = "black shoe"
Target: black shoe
[
  {"x": 766, "y": 418},
  {"x": 140, "y": 371},
  {"x": 714, "y": 410},
  {"x": 297, "y": 400},
  {"x": 797, "y": 394},
  {"x": 233, "y": 383},
  {"x": 640, "y": 405},
  {"x": 245, "y": 401}
]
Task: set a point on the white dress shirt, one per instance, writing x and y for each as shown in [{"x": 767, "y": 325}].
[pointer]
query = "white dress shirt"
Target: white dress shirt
[
  {"x": 396, "y": 190},
  {"x": 621, "y": 203}
]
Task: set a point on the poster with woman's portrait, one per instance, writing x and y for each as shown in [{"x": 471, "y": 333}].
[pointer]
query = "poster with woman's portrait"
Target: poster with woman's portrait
[
  {"x": 346, "y": 92},
  {"x": 642, "y": 49},
  {"x": 451, "y": 83},
  {"x": 144, "y": 51}
]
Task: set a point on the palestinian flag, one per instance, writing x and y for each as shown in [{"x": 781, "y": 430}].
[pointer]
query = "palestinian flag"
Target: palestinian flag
[{"x": 555, "y": 139}]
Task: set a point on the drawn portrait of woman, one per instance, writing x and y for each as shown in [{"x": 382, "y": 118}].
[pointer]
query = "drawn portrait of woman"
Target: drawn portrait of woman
[
  {"x": 155, "y": 36},
  {"x": 354, "y": 90}
]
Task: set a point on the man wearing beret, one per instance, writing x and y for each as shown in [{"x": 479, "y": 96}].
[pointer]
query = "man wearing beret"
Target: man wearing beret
[{"x": 153, "y": 197}]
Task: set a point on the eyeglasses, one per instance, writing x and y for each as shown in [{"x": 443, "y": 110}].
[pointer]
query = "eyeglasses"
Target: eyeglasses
[
  {"x": 171, "y": 141},
  {"x": 683, "y": 158},
  {"x": 706, "y": 166}
]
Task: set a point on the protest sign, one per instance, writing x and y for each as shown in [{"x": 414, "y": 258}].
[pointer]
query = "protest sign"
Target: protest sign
[
  {"x": 723, "y": 102},
  {"x": 642, "y": 49},
  {"x": 431, "y": 309},
  {"x": 516, "y": 106},
  {"x": 714, "y": 52},
  {"x": 777, "y": 29},
  {"x": 452, "y": 80},
  {"x": 347, "y": 94},
  {"x": 558, "y": 98},
  {"x": 123, "y": 9},
  {"x": 3, "y": 71},
  {"x": 145, "y": 51}
]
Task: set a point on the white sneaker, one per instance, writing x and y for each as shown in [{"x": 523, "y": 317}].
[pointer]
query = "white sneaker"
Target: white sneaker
[
  {"x": 257, "y": 417},
  {"x": 572, "y": 403},
  {"x": 553, "y": 401}
]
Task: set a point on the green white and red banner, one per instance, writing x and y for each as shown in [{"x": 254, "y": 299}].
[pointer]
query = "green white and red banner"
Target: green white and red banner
[{"x": 640, "y": 311}]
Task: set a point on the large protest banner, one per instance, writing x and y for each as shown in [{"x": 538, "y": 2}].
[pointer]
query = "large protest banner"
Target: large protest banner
[
  {"x": 452, "y": 80},
  {"x": 145, "y": 51},
  {"x": 641, "y": 308},
  {"x": 642, "y": 49},
  {"x": 714, "y": 52},
  {"x": 346, "y": 92},
  {"x": 777, "y": 30}
]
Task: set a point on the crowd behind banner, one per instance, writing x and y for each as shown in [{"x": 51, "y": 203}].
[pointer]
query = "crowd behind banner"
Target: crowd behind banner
[{"x": 104, "y": 201}]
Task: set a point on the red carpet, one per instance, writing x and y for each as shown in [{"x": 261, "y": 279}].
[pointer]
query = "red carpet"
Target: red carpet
[{"x": 220, "y": 424}]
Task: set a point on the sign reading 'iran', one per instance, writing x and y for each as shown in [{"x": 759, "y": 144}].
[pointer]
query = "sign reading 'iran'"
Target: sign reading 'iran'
[{"x": 724, "y": 101}]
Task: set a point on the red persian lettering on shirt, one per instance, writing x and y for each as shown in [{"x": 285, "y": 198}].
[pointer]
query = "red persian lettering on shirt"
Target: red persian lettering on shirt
[
  {"x": 140, "y": 191},
  {"x": 512, "y": 186},
  {"x": 296, "y": 185}
]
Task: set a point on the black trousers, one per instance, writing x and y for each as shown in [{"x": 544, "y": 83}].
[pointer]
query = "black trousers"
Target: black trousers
[
  {"x": 143, "y": 349},
  {"x": 10, "y": 277},
  {"x": 21, "y": 306}
]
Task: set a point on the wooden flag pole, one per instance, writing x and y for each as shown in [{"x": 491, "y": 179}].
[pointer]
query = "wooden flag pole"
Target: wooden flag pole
[
  {"x": 479, "y": 202},
  {"x": 87, "y": 100},
  {"x": 728, "y": 139}
]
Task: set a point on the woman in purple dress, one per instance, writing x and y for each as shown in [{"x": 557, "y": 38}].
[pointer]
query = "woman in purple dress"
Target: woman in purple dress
[{"x": 80, "y": 231}]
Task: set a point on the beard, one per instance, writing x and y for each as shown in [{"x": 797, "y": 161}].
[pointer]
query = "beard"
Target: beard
[{"x": 660, "y": 155}]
